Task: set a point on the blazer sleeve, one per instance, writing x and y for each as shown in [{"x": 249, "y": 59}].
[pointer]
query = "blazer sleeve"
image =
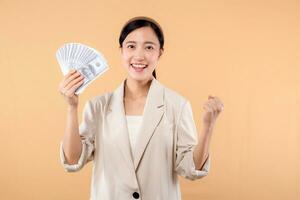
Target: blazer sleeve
[
  {"x": 187, "y": 139},
  {"x": 87, "y": 130}
]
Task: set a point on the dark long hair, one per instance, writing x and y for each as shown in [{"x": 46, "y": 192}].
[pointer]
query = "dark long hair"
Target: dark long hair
[{"x": 139, "y": 22}]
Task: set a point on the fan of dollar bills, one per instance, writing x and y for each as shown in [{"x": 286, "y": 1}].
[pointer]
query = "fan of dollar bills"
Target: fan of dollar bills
[{"x": 89, "y": 62}]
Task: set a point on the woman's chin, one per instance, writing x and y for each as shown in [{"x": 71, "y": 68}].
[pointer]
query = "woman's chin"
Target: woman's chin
[{"x": 138, "y": 77}]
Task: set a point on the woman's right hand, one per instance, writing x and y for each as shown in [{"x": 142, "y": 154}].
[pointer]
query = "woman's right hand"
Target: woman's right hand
[{"x": 71, "y": 81}]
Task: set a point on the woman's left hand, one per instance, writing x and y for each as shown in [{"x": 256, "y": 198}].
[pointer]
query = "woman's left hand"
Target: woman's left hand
[{"x": 212, "y": 108}]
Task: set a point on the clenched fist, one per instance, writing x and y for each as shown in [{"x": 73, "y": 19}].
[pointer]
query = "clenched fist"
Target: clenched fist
[{"x": 212, "y": 108}]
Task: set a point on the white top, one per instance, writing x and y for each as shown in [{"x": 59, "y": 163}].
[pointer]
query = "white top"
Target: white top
[{"x": 133, "y": 124}]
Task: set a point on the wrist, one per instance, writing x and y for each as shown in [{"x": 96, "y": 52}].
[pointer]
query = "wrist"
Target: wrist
[
  {"x": 72, "y": 108},
  {"x": 208, "y": 127}
]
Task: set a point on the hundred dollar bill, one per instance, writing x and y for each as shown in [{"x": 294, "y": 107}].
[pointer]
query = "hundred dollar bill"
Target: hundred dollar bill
[{"x": 89, "y": 62}]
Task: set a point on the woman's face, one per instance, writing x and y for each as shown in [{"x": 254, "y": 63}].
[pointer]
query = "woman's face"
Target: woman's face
[{"x": 140, "y": 53}]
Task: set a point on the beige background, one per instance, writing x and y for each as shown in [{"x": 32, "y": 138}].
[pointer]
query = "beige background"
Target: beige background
[{"x": 245, "y": 52}]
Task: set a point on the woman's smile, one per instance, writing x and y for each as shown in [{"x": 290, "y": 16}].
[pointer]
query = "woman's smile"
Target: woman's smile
[{"x": 138, "y": 67}]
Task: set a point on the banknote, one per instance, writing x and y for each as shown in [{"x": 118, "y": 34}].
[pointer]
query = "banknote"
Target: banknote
[{"x": 86, "y": 60}]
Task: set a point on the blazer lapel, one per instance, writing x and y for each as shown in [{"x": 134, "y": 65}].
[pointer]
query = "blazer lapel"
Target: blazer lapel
[
  {"x": 152, "y": 114},
  {"x": 118, "y": 125}
]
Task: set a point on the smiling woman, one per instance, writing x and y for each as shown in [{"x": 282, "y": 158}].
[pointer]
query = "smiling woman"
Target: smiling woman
[{"x": 142, "y": 135}]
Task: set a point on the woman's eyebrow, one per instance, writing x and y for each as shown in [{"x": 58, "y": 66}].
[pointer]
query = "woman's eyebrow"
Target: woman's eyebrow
[
  {"x": 147, "y": 42},
  {"x": 130, "y": 42}
]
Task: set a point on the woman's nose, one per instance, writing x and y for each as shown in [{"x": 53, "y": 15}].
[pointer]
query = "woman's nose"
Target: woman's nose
[{"x": 139, "y": 54}]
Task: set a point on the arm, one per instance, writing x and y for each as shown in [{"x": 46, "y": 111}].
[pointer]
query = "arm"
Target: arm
[
  {"x": 187, "y": 140},
  {"x": 71, "y": 144},
  {"x": 212, "y": 109},
  {"x": 77, "y": 147},
  {"x": 201, "y": 151}
]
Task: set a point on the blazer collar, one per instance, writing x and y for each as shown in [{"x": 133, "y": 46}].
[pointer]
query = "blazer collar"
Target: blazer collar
[{"x": 152, "y": 114}]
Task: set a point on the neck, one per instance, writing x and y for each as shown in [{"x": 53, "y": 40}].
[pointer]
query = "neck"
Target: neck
[{"x": 136, "y": 89}]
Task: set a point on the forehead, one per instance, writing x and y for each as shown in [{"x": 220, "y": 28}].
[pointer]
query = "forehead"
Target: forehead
[{"x": 142, "y": 35}]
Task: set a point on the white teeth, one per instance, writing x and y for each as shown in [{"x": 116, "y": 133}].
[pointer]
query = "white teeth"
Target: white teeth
[{"x": 138, "y": 65}]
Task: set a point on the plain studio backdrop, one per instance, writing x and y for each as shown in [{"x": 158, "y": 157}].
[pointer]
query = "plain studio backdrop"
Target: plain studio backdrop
[{"x": 245, "y": 52}]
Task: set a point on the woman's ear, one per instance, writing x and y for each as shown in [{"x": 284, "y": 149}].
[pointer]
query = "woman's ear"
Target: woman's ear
[{"x": 161, "y": 51}]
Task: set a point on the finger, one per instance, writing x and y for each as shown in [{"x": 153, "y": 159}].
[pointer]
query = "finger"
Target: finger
[
  {"x": 212, "y": 101},
  {"x": 61, "y": 88},
  {"x": 74, "y": 82},
  {"x": 208, "y": 102},
  {"x": 72, "y": 71},
  {"x": 213, "y": 106},
  {"x": 71, "y": 78},
  {"x": 74, "y": 88},
  {"x": 72, "y": 75},
  {"x": 220, "y": 106},
  {"x": 64, "y": 89},
  {"x": 216, "y": 107},
  {"x": 219, "y": 101},
  {"x": 209, "y": 107},
  {"x": 206, "y": 106},
  {"x": 67, "y": 78},
  {"x": 217, "y": 104}
]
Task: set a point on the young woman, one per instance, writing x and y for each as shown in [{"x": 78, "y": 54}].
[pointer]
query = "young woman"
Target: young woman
[{"x": 142, "y": 135}]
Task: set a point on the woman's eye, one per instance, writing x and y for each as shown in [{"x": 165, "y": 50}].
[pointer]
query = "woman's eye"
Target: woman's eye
[
  {"x": 149, "y": 47},
  {"x": 130, "y": 46}
]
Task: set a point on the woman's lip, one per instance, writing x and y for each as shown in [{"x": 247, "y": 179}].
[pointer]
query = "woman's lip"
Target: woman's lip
[{"x": 139, "y": 67}]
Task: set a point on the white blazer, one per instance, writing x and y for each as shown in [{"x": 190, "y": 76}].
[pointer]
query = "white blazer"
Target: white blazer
[{"x": 164, "y": 147}]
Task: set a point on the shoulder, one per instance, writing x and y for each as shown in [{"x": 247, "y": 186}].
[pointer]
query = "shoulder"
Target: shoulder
[
  {"x": 99, "y": 102},
  {"x": 174, "y": 98},
  {"x": 174, "y": 104}
]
